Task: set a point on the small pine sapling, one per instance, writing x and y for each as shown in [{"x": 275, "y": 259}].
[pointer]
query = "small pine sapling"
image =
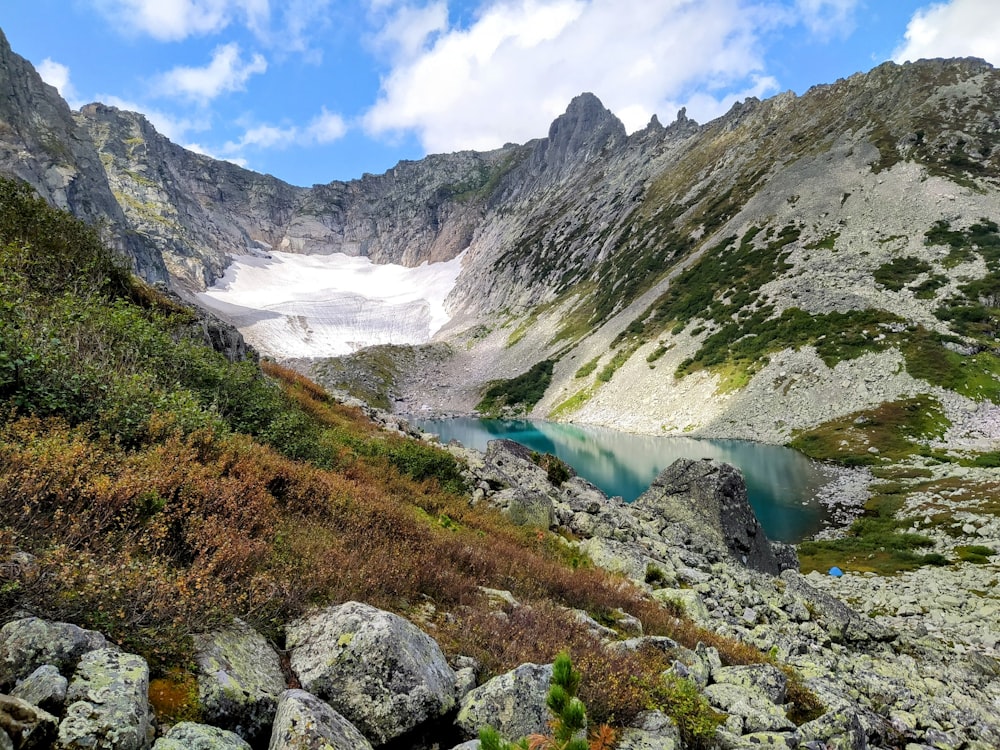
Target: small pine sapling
[{"x": 568, "y": 723}]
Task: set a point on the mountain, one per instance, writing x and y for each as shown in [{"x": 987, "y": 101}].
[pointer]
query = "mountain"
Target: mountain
[{"x": 794, "y": 262}]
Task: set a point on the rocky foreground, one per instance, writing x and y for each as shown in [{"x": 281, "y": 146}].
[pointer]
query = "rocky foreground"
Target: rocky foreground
[{"x": 353, "y": 676}]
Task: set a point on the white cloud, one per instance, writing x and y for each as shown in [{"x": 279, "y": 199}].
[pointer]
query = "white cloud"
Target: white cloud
[
  {"x": 57, "y": 74},
  {"x": 173, "y": 20},
  {"x": 406, "y": 31},
  {"x": 506, "y": 76},
  {"x": 326, "y": 127},
  {"x": 827, "y": 17},
  {"x": 226, "y": 72},
  {"x": 960, "y": 28}
]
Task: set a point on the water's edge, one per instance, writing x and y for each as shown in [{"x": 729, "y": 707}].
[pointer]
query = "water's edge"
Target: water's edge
[{"x": 791, "y": 494}]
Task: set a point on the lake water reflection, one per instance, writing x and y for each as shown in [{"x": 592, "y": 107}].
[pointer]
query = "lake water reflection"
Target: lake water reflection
[{"x": 781, "y": 483}]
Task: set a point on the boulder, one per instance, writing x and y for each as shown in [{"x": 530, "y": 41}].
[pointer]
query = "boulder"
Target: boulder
[
  {"x": 29, "y": 643},
  {"x": 526, "y": 493},
  {"x": 841, "y": 622},
  {"x": 24, "y": 725},
  {"x": 190, "y": 736},
  {"x": 239, "y": 680},
  {"x": 384, "y": 674},
  {"x": 108, "y": 703},
  {"x": 837, "y": 730},
  {"x": 304, "y": 722},
  {"x": 763, "y": 678},
  {"x": 512, "y": 703},
  {"x": 758, "y": 713},
  {"x": 44, "y": 687},
  {"x": 709, "y": 499}
]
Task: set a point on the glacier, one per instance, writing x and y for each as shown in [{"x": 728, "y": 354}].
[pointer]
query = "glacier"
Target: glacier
[{"x": 288, "y": 305}]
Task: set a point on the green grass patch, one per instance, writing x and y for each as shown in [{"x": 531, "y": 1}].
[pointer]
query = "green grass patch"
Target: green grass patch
[
  {"x": 826, "y": 243},
  {"x": 976, "y": 376},
  {"x": 587, "y": 367},
  {"x": 877, "y": 542},
  {"x": 572, "y": 404},
  {"x": 975, "y": 553},
  {"x": 620, "y": 358},
  {"x": 897, "y": 429}
]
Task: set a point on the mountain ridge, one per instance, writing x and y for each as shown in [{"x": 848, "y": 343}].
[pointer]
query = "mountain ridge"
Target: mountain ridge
[{"x": 791, "y": 262}]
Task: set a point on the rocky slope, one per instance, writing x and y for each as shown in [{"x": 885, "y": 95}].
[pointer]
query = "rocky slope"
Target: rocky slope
[{"x": 357, "y": 676}]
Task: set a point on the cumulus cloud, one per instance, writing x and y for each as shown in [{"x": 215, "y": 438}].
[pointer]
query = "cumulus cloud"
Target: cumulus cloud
[
  {"x": 226, "y": 72},
  {"x": 326, "y": 127},
  {"x": 173, "y": 20},
  {"x": 960, "y": 28},
  {"x": 827, "y": 17},
  {"x": 507, "y": 74},
  {"x": 56, "y": 74}
]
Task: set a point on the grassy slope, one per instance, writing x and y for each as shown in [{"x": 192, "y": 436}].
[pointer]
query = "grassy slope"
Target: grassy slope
[{"x": 164, "y": 490}]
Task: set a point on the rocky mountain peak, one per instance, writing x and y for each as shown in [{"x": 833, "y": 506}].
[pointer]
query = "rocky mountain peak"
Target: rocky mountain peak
[{"x": 585, "y": 130}]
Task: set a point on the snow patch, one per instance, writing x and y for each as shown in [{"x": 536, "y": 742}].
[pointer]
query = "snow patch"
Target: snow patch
[{"x": 290, "y": 305}]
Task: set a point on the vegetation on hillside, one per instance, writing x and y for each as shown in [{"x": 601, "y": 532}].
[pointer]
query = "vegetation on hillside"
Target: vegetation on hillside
[
  {"x": 163, "y": 490},
  {"x": 518, "y": 394}
]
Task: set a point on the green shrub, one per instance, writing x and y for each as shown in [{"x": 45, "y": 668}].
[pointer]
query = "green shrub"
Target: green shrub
[{"x": 521, "y": 392}]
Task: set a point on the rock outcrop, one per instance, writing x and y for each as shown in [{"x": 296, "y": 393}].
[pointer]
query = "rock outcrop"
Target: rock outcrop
[
  {"x": 41, "y": 144},
  {"x": 379, "y": 671},
  {"x": 304, "y": 722},
  {"x": 239, "y": 680},
  {"x": 709, "y": 499},
  {"x": 512, "y": 703},
  {"x": 107, "y": 703}
]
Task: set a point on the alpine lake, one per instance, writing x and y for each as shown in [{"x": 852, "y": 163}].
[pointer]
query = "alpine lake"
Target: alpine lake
[{"x": 782, "y": 484}]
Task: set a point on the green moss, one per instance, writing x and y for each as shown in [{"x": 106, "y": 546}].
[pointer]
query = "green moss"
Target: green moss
[{"x": 976, "y": 376}]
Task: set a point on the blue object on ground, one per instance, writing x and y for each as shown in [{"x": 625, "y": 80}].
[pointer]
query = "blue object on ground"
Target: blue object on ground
[{"x": 836, "y": 572}]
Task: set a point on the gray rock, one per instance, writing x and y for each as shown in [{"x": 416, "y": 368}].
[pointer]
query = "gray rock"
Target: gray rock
[
  {"x": 25, "y": 725},
  {"x": 709, "y": 499},
  {"x": 44, "y": 687},
  {"x": 639, "y": 739},
  {"x": 837, "y": 730},
  {"x": 29, "y": 643},
  {"x": 512, "y": 703},
  {"x": 239, "y": 679},
  {"x": 381, "y": 672},
  {"x": 759, "y": 714},
  {"x": 527, "y": 494},
  {"x": 190, "y": 736},
  {"x": 762, "y": 678},
  {"x": 840, "y": 621},
  {"x": 304, "y": 722},
  {"x": 108, "y": 703},
  {"x": 6, "y": 743},
  {"x": 470, "y": 745}
]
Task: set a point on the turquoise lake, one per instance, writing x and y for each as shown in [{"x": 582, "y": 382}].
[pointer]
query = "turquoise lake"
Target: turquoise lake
[{"x": 781, "y": 483}]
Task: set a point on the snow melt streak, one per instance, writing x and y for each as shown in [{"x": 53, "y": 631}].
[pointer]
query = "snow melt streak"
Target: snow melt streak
[{"x": 289, "y": 305}]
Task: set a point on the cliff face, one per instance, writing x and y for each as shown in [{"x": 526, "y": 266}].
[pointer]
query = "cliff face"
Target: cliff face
[{"x": 41, "y": 144}]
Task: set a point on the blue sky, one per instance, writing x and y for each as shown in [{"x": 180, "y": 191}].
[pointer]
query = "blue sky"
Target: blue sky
[{"x": 317, "y": 90}]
